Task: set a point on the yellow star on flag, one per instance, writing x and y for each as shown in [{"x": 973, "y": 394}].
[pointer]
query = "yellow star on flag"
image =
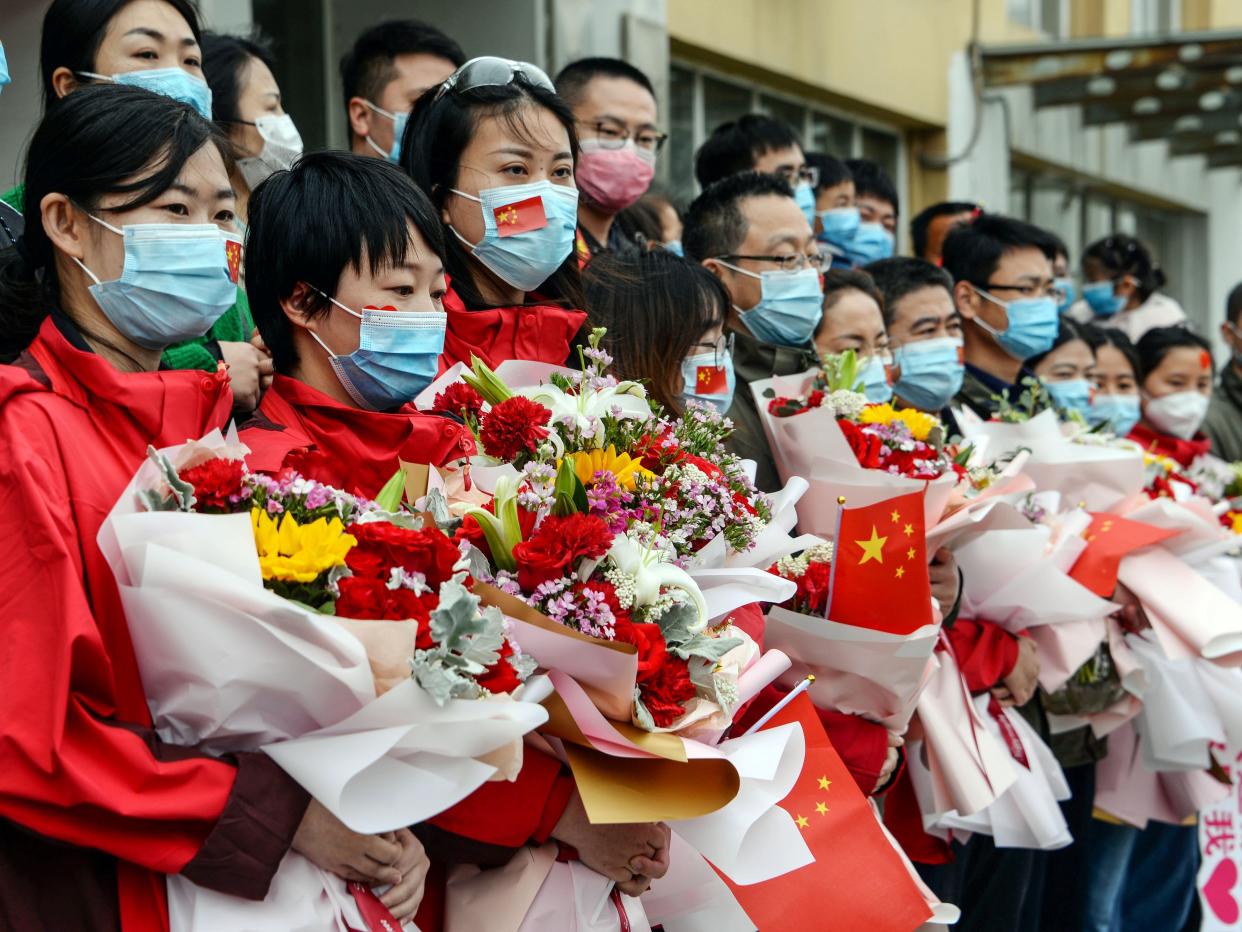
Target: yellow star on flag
[
  {"x": 910, "y": 554},
  {"x": 901, "y": 571},
  {"x": 507, "y": 216},
  {"x": 908, "y": 530},
  {"x": 872, "y": 549},
  {"x": 824, "y": 783},
  {"x": 821, "y": 808},
  {"x": 802, "y": 821},
  {"x": 896, "y": 516}
]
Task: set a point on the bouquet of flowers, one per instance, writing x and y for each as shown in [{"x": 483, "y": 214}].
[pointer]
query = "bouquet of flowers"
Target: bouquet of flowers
[{"x": 341, "y": 637}]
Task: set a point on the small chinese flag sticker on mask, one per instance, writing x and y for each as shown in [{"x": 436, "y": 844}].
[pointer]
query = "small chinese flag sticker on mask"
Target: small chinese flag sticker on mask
[
  {"x": 233, "y": 250},
  {"x": 520, "y": 217},
  {"x": 1205, "y": 361},
  {"x": 961, "y": 354},
  {"x": 711, "y": 380}
]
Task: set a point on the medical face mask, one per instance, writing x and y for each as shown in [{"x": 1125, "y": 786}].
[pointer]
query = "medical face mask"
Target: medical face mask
[
  {"x": 870, "y": 243},
  {"x": 708, "y": 382},
  {"x": 177, "y": 280},
  {"x": 1065, "y": 287},
  {"x": 789, "y": 309},
  {"x": 1071, "y": 395},
  {"x": 1100, "y": 298},
  {"x": 874, "y": 376},
  {"x": 613, "y": 179},
  {"x": 282, "y": 144},
  {"x": 398, "y": 355},
  {"x": 1178, "y": 415},
  {"x": 398, "y": 130},
  {"x": 674, "y": 246},
  {"x": 1119, "y": 412},
  {"x": 804, "y": 196},
  {"x": 839, "y": 226},
  {"x": 4, "y": 68},
  {"x": 528, "y": 231},
  {"x": 171, "y": 82},
  {"x": 931, "y": 372},
  {"x": 1032, "y": 325}
]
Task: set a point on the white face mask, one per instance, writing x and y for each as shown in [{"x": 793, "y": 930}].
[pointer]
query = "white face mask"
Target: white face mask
[
  {"x": 1178, "y": 415},
  {"x": 282, "y": 144}
]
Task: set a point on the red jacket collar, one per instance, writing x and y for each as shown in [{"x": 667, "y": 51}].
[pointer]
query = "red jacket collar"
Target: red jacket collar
[
  {"x": 1184, "y": 452},
  {"x": 536, "y": 332}
]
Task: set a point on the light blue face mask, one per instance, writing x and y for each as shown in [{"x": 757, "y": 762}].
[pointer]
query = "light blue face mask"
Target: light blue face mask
[
  {"x": 4, "y": 68},
  {"x": 1100, "y": 298},
  {"x": 870, "y": 243},
  {"x": 701, "y": 370},
  {"x": 674, "y": 246},
  {"x": 1032, "y": 324},
  {"x": 398, "y": 130},
  {"x": 398, "y": 356},
  {"x": 171, "y": 82},
  {"x": 874, "y": 377},
  {"x": 174, "y": 285},
  {"x": 804, "y": 196},
  {"x": 789, "y": 309},
  {"x": 525, "y": 259},
  {"x": 1071, "y": 395},
  {"x": 1065, "y": 286},
  {"x": 931, "y": 372},
  {"x": 839, "y": 226},
  {"x": 1119, "y": 412}
]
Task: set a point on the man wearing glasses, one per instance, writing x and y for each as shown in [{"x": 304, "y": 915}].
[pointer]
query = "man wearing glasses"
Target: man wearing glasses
[
  {"x": 759, "y": 143},
  {"x": 749, "y": 232},
  {"x": 615, "y": 108}
]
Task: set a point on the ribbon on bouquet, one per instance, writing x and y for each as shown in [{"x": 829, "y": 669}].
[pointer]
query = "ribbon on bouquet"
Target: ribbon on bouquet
[
  {"x": 375, "y": 914},
  {"x": 947, "y": 645},
  {"x": 1016, "y": 749}
]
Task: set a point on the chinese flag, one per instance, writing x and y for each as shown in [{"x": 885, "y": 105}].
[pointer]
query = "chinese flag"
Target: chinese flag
[
  {"x": 1109, "y": 538},
  {"x": 233, "y": 252},
  {"x": 513, "y": 219},
  {"x": 857, "y": 881},
  {"x": 879, "y": 567},
  {"x": 711, "y": 380}
]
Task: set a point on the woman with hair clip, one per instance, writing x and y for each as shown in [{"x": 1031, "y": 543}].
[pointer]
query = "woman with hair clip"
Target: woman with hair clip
[
  {"x": 94, "y": 807},
  {"x": 1121, "y": 288},
  {"x": 494, "y": 148}
]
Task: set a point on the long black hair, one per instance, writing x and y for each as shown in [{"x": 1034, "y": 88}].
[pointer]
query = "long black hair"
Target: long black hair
[
  {"x": 74, "y": 29},
  {"x": 1119, "y": 255},
  {"x": 100, "y": 140},
  {"x": 439, "y": 131},
  {"x": 226, "y": 60}
]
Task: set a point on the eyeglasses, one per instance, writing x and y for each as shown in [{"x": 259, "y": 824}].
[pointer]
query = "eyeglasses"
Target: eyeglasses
[
  {"x": 612, "y": 135},
  {"x": 795, "y": 176},
  {"x": 490, "y": 71},
  {"x": 722, "y": 348},
  {"x": 1039, "y": 290},
  {"x": 820, "y": 261}
]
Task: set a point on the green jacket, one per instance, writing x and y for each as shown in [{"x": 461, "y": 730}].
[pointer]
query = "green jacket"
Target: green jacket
[
  {"x": 234, "y": 326},
  {"x": 753, "y": 361},
  {"x": 1224, "y": 418}
]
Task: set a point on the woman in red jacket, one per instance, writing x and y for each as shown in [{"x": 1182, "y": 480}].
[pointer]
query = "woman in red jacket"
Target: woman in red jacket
[
  {"x": 494, "y": 148},
  {"x": 94, "y": 807},
  {"x": 1176, "y": 369}
]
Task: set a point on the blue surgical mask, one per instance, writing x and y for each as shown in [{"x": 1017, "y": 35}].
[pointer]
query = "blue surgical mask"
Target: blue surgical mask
[
  {"x": 398, "y": 130},
  {"x": 804, "y": 196},
  {"x": 931, "y": 372},
  {"x": 874, "y": 377},
  {"x": 1103, "y": 303},
  {"x": 175, "y": 283},
  {"x": 1071, "y": 395},
  {"x": 1120, "y": 412},
  {"x": 1032, "y": 325},
  {"x": 4, "y": 68},
  {"x": 171, "y": 82},
  {"x": 700, "y": 372},
  {"x": 527, "y": 259},
  {"x": 1066, "y": 288},
  {"x": 790, "y": 306},
  {"x": 674, "y": 246},
  {"x": 839, "y": 226},
  {"x": 398, "y": 356},
  {"x": 871, "y": 242}
]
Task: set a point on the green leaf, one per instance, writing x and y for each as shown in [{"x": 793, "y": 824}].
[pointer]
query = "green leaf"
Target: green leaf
[
  {"x": 565, "y": 491},
  {"x": 392, "y": 493},
  {"x": 678, "y": 624},
  {"x": 642, "y": 715},
  {"x": 461, "y": 629},
  {"x": 485, "y": 381},
  {"x": 182, "y": 491},
  {"x": 708, "y": 648}
]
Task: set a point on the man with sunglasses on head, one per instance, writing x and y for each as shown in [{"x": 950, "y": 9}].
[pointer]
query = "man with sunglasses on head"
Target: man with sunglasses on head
[
  {"x": 748, "y": 230},
  {"x": 614, "y": 106}
]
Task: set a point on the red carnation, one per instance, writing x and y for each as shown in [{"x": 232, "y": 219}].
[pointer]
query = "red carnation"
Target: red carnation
[
  {"x": 649, "y": 639},
  {"x": 514, "y": 427},
  {"x": 217, "y": 484},
  {"x": 558, "y": 544},
  {"x": 500, "y": 676},
  {"x": 371, "y": 600},
  {"x": 868, "y": 448},
  {"x": 383, "y": 546},
  {"x": 667, "y": 690},
  {"x": 459, "y": 399}
]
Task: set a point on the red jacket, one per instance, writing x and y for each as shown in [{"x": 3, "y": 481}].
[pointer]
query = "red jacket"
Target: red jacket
[
  {"x": 83, "y": 780},
  {"x": 536, "y": 332},
  {"x": 986, "y": 652},
  {"x": 1184, "y": 452},
  {"x": 298, "y": 427}
]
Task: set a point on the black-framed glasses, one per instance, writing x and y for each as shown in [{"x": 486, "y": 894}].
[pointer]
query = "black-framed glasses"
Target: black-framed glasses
[
  {"x": 721, "y": 349},
  {"x": 795, "y": 176},
  {"x": 1040, "y": 290},
  {"x": 491, "y": 71},
  {"x": 611, "y": 134},
  {"x": 820, "y": 261}
]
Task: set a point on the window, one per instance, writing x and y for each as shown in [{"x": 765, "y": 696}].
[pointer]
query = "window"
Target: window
[
  {"x": 678, "y": 153},
  {"x": 1160, "y": 17},
  {"x": 1050, "y": 17}
]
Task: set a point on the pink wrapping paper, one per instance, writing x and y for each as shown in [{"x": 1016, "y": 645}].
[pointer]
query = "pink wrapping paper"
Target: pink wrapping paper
[{"x": 1128, "y": 790}]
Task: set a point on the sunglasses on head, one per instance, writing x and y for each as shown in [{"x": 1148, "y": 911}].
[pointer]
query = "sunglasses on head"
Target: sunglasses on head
[{"x": 490, "y": 71}]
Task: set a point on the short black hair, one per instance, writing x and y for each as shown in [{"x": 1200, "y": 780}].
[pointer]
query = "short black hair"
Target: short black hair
[
  {"x": 974, "y": 249},
  {"x": 901, "y": 275},
  {"x": 1118, "y": 340},
  {"x": 336, "y": 206},
  {"x": 1059, "y": 245},
  {"x": 367, "y": 68},
  {"x": 225, "y": 60},
  {"x": 832, "y": 171},
  {"x": 1233, "y": 304},
  {"x": 923, "y": 219},
  {"x": 1158, "y": 342},
  {"x": 735, "y": 146},
  {"x": 578, "y": 74},
  {"x": 839, "y": 281},
  {"x": 871, "y": 179},
  {"x": 1121, "y": 254},
  {"x": 714, "y": 223}
]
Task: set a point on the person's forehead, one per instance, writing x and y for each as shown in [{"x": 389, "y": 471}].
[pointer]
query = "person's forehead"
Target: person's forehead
[
  {"x": 771, "y": 218},
  {"x": 621, "y": 98},
  {"x": 855, "y": 310},
  {"x": 417, "y": 71},
  {"x": 772, "y": 159},
  {"x": 1025, "y": 262},
  {"x": 928, "y": 301},
  {"x": 540, "y": 132},
  {"x": 877, "y": 203}
]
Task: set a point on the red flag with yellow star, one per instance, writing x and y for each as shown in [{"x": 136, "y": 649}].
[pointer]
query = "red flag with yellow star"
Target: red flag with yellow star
[
  {"x": 1109, "y": 538},
  {"x": 711, "y": 380},
  {"x": 512, "y": 219},
  {"x": 233, "y": 252},
  {"x": 879, "y": 567},
  {"x": 857, "y": 881}
]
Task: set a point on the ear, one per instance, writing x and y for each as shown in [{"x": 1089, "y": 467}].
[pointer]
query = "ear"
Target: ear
[
  {"x": 64, "y": 224},
  {"x": 1127, "y": 287},
  {"x": 1227, "y": 334},
  {"x": 297, "y": 307},
  {"x": 359, "y": 117},
  {"x": 64, "y": 81},
  {"x": 965, "y": 298},
  {"x": 714, "y": 266}
]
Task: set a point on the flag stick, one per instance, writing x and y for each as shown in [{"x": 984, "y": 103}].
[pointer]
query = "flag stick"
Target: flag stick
[{"x": 789, "y": 697}]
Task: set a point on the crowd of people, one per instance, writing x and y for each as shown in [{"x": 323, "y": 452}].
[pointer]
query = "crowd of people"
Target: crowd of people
[{"x": 178, "y": 262}]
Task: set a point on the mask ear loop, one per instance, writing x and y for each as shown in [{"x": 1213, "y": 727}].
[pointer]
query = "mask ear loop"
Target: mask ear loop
[{"x": 470, "y": 197}]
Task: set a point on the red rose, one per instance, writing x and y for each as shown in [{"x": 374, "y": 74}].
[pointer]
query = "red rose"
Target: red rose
[
  {"x": 868, "y": 448},
  {"x": 813, "y": 588},
  {"x": 514, "y": 427},
  {"x": 215, "y": 482},
  {"x": 459, "y": 399},
  {"x": 558, "y": 545},
  {"x": 500, "y": 676},
  {"x": 667, "y": 690},
  {"x": 649, "y": 639},
  {"x": 371, "y": 600},
  {"x": 382, "y": 546}
]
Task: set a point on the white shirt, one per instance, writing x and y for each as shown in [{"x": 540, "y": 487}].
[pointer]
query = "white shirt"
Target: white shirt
[{"x": 1159, "y": 310}]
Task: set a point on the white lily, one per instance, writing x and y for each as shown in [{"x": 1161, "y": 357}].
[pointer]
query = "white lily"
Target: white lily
[
  {"x": 625, "y": 401},
  {"x": 652, "y": 571}
]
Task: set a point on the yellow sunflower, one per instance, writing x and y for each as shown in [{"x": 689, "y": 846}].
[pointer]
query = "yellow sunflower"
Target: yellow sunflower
[
  {"x": 625, "y": 468},
  {"x": 919, "y": 423},
  {"x": 298, "y": 552}
]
